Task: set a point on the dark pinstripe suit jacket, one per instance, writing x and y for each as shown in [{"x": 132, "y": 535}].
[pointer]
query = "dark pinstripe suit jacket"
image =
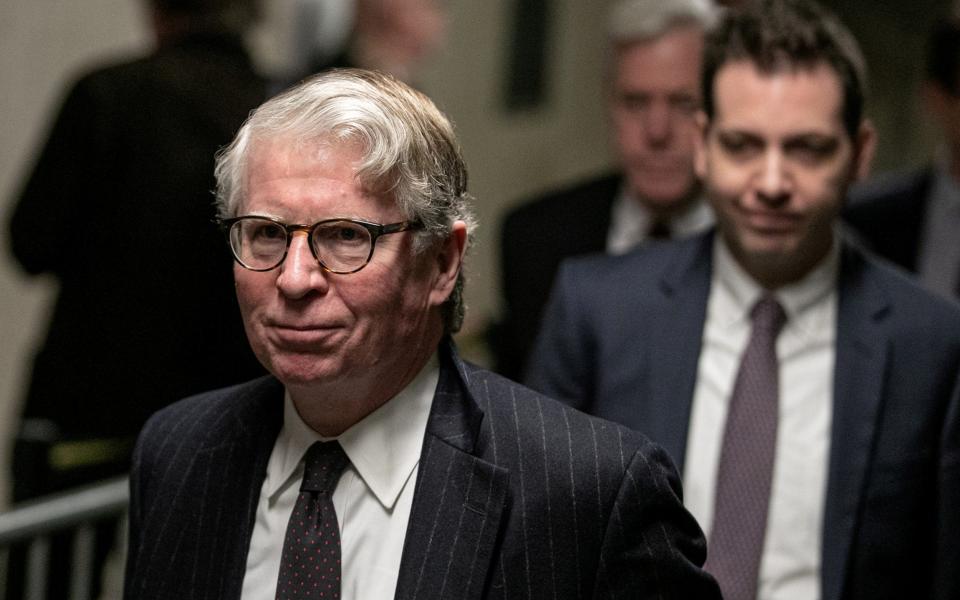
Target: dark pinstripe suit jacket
[{"x": 517, "y": 497}]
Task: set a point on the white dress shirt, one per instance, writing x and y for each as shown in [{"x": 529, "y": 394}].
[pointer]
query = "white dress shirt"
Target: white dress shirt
[
  {"x": 790, "y": 565},
  {"x": 630, "y": 221},
  {"x": 938, "y": 259},
  {"x": 372, "y": 498}
]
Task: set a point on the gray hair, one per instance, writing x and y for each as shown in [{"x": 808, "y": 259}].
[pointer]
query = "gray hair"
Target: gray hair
[
  {"x": 641, "y": 20},
  {"x": 408, "y": 148}
]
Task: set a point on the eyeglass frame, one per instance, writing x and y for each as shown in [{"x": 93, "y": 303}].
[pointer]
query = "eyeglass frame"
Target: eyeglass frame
[{"x": 376, "y": 230}]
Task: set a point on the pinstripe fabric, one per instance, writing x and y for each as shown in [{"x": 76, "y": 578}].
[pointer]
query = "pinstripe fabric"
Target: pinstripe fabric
[{"x": 516, "y": 497}]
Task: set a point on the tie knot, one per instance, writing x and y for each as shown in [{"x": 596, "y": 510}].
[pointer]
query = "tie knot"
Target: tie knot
[
  {"x": 768, "y": 315},
  {"x": 659, "y": 229},
  {"x": 323, "y": 465}
]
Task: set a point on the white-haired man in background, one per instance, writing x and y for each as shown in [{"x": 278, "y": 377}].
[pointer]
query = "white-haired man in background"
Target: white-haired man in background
[{"x": 653, "y": 93}]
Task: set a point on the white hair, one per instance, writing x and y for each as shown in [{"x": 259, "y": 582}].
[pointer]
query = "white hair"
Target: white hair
[{"x": 640, "y": 20}]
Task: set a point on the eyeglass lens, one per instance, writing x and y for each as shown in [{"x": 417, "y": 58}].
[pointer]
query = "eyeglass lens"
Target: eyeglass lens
[{"x": 342, "y": 246}]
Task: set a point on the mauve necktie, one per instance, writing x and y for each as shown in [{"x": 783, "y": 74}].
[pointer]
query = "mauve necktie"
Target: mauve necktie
[
  {"x": 746, "y": 460},
  {"x": 310, "y": 564}
]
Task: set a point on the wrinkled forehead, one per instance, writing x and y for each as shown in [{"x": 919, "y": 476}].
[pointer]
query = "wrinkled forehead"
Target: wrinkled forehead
[
  {"x": 270, "y": 159},
  {"x": 292, "y": 154}
]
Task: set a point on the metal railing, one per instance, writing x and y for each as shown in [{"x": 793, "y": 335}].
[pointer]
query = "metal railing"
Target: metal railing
[{"x": 34, "y": 524}]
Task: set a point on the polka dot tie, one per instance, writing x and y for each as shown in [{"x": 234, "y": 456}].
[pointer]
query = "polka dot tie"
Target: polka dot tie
[
  {"x": 745, "y": 469},
  {"x": 310, "y": 564}
]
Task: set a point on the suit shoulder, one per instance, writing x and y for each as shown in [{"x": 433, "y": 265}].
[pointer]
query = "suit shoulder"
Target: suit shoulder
[
  {"x": 518, "y": 411},
  {"x": 197, "y": 420},
  {"x": 916, "y": 310},
  {"x": 569, "y": 202},
  {"x": 640, "y": 265}
]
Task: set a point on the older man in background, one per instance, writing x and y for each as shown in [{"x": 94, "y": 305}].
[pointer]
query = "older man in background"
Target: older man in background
[{"x": 653, "y": 94}]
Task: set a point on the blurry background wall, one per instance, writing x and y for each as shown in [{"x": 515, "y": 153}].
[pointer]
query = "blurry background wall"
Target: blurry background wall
[{"x": 512, "y": 152}]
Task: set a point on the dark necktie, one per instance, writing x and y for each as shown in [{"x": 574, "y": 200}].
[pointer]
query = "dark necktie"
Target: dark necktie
[
  {"x": 310, "y": 563},
  {"x": 658, "y": 230},
  {"x": 746, "y": 460}
]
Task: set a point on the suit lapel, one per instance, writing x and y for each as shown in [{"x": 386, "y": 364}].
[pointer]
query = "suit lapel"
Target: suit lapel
[
  {"x": 861, "y": 359},
  {"x": 233, "y": 473},
  {"x": 458, "y": 501},
  {"x": 677, "y": 331}
]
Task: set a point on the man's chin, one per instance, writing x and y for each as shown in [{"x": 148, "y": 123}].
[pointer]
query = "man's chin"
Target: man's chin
[
  {"x": 301, "y": 369},
  {"x": 666, "y": 195}
]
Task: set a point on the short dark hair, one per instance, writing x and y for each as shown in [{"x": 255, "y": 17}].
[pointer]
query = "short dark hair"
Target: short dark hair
[
  {"x": 783, "y": 35},
  {"x": 943, "y": 56}
]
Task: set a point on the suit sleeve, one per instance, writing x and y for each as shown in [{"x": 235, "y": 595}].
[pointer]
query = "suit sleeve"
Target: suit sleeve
[
  {"x": 134, "y": 526},
  {"x": 653, "y": 548},
  {"x": 560, "y": 365},
  {"x": 947, "y": 574}
]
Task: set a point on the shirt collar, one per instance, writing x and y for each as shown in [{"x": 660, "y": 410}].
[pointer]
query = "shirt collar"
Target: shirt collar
[
  {"x": 630, "y": 221},
  {"x": 383, "y": 448},
  {"x": 738, "y": 291},
  {"x": 944, "y": 189}
]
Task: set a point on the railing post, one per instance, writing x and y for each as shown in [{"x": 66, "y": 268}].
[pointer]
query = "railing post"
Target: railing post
[
  {"x": 81, "y": 575},
  {"x": 38, "y": 562}
]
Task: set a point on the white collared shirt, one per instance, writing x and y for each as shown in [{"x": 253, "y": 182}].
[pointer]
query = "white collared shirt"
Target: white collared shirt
[
  {"x": 372, "y": 498},
  {"x": 790, "y": 565},
  {"x": 630, "y": 222}
]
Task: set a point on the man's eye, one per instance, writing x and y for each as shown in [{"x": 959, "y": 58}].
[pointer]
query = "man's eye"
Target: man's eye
[
  {"x": 347, "y": 234},
  {"x": 684, "y": 104},
  {"x": 634, "y": 102},
  {"x": 740, "y": 146},
  {"x": 812, "y": 151},
  {"x": 267, "y": 232}
]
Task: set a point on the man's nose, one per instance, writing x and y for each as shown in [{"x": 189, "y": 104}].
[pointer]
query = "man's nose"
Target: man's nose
[
  {"x": 300, "y": 273},
  {"x": 658, "y": 123},
  {"x": 774, "y": 181}
]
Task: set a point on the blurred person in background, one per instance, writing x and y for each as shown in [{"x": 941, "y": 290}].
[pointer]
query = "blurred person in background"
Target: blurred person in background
[
  {"x": 809, "y": 392},
  {"x": 119, "y": 210},
  {"x": 913, "y": 219},
  {"x": 393, "y": 36},
  {"x": 654, "y": 92}
]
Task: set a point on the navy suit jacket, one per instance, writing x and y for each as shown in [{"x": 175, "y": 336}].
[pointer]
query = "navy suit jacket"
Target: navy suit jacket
[
  {"x": 517, "y": 496},
  {"x": 622, "y": 339}
]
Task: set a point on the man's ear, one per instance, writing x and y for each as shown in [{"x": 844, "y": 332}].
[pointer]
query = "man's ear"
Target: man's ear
[
  {"x": 864, "y": 147},
  {"x": 700, "y": 145},
  {"x": 449, "y": 257}
]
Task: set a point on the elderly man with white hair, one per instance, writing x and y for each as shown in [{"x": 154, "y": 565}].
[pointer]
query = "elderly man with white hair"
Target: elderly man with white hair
[
  {"x": 653, "y": 92},
  {"x": 372, "y": 462}
]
